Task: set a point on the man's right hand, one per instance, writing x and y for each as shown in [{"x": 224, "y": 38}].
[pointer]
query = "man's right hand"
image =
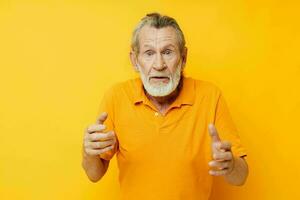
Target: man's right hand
[{"x": 96, "y": 141}]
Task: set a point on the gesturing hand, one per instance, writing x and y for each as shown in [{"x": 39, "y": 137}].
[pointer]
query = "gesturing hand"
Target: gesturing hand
[
  {"x": 223, "y": 160},
  {"x": 96, "y": 141}
]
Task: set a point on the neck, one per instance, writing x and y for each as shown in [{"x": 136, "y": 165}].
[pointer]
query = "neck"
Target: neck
[{"x": 162, "y": 103}]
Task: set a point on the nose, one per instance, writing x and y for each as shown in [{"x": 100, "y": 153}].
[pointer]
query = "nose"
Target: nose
[{"x": 159, "y": 64}]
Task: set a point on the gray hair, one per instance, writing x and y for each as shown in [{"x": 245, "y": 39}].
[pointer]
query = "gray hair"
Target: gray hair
[{"x": 158, "y": 21}]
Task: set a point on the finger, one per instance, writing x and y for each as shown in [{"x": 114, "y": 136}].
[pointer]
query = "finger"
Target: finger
[
  {"x": 100, "y": 145},
  {"x": 218, "y": 172},
  {"x": 95, "y": 127},
  {"x": 222, "y": 156},
  {"x": 225, "y": 145},
  {"x": 102, "y": 118},
  {"x": 100, "y": 151},
  {"x": 216, "y": 147},
  {"x": 213, "y": 133},
  {"x": 101, "y": 136},
  {"x": 219, "y": 165}
]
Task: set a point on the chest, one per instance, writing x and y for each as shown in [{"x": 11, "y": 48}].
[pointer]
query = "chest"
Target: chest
[{"x": 145, "y": 136}]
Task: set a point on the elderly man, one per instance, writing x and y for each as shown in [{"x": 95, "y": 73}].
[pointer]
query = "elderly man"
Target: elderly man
[{"x": 171, "y": 134}]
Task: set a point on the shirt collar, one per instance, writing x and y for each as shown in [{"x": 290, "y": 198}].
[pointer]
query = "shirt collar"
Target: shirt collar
[{"x": 186, "y": 95}]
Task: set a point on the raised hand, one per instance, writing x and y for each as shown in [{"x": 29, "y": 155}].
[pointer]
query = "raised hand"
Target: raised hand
[
  {"x": 222, "y": 162},
  {"x": 95, "y": 140}
]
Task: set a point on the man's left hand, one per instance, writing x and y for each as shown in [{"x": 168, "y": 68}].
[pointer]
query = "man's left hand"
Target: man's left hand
[{"x": 223, "y": 159}]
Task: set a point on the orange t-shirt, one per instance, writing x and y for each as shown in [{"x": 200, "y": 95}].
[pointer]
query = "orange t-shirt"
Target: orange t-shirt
[{"x": 166, "y": 157}]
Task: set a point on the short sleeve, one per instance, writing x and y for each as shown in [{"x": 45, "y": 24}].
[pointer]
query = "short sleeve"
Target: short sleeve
[
  {"x": 106, "y": 105},
  {"x": 226, "y": 127}
]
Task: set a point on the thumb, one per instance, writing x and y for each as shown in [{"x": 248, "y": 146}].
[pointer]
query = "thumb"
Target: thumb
[
  {"x": 102, "y": 117},
  {"x": 213, "y": 133}
]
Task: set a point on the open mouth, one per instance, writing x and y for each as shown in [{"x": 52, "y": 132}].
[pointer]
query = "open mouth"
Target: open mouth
[
  {"x": 159, "y": 79},
  {"x": 162, "y": 77}
]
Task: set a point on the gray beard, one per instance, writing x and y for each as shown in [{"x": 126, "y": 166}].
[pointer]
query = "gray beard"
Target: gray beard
[{"x": 161, "y": 90}]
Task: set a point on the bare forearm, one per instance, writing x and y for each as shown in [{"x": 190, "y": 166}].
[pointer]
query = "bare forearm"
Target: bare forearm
[
  {"x": 239, "y": 173},
  {"x": 94, "y": 166}
]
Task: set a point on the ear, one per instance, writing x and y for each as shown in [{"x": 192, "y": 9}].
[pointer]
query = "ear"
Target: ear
[
  {"x": 184, "y": 57},
  {"x": 133, "y": 60}
]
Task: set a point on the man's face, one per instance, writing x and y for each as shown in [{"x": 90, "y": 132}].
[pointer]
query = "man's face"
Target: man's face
[{"x": 159, "y": 60}]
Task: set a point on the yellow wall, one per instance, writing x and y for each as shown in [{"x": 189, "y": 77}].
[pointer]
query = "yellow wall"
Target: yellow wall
[{"x": 57, "y": 57}]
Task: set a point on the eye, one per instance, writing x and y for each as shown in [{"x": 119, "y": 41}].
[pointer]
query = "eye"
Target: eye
[
  {"x": 167, "y": 51},
  {"x": 149, "y": 53}
]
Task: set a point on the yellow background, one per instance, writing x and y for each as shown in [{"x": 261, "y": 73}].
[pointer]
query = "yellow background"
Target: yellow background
[{"x": 57, "y": 57}]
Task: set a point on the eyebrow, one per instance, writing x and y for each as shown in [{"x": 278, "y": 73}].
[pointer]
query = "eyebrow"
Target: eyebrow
[{"x": 169, "y": 45}]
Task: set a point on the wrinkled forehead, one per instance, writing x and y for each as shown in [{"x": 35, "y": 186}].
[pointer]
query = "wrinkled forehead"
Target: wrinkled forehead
[{"x": 157, "y": 37}]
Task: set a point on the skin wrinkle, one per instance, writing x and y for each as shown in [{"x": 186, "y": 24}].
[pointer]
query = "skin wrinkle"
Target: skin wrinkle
[
  {"x": 157, "y": 37},
  {"x": 160, "y": 63}
]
